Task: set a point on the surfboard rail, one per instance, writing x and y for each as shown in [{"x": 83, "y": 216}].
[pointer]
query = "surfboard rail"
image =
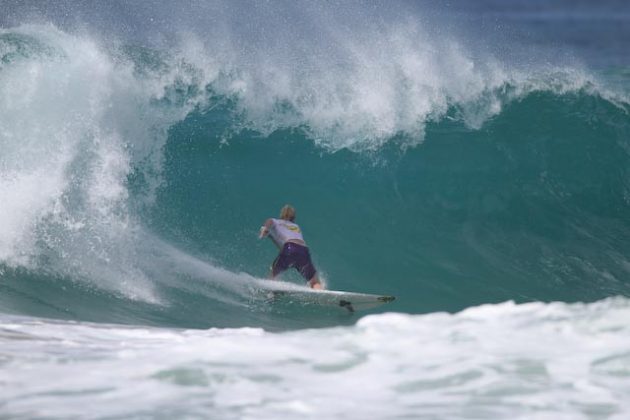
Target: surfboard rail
[{"x": 351, "y": 301}]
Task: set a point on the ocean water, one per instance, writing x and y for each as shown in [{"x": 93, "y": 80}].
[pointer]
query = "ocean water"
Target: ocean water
[{"x": 470, "y": 158}]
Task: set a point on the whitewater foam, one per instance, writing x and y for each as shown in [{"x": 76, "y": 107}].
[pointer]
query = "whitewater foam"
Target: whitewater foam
[
  {"x": 522, "y": 361},
  {"x": 76, "y": 124}
]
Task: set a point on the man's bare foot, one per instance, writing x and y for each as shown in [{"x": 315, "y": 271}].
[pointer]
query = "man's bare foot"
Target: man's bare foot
[{"x": 315, "y": 283}]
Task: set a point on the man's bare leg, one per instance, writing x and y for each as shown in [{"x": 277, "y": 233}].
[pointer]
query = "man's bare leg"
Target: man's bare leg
[{"x": 271, "y": 276}]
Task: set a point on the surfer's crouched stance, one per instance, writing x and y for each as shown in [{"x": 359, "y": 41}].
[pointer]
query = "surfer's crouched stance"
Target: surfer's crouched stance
[{"x": 293, "y": 250}]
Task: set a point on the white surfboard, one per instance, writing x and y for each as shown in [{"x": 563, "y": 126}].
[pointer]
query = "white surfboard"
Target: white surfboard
[{"x": 288, "y": 292}]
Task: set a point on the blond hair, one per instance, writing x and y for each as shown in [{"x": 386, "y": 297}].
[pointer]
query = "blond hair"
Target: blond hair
[{"x": 287, "y": 213}]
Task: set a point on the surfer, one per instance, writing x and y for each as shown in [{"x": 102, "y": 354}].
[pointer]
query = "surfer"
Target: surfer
[{"x": 293, "y": 250}]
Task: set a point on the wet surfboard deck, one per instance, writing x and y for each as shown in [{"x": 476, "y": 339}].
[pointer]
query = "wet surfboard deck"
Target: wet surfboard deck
[{"x": 351, "y": 301}]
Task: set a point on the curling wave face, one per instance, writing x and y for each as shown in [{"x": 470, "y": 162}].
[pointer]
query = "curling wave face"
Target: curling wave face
[{"x": 130, "y": 174}]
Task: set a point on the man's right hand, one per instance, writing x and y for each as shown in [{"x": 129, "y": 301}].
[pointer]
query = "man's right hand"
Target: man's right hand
[{"x": 263, "y": 232}]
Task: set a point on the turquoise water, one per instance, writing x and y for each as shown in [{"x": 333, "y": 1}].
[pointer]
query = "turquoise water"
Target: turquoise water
[{"x": 472, "y": 159}]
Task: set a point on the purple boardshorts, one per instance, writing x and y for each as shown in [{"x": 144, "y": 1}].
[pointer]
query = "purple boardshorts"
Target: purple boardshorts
[{"x": 296, "y": 256}]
